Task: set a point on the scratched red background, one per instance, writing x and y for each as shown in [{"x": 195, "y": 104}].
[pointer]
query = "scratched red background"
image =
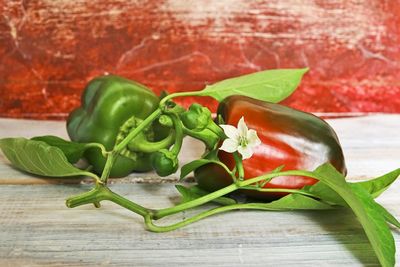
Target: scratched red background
[{"x": 50, "y": 49}]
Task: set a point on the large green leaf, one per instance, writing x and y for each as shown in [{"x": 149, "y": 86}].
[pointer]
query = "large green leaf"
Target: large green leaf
[
  {"x": 378, "y": 185},
  {"x": 365, "y": 209},
  {"x": 372, "y": 187},
  {"x": 39, "y": 158},
  {"x": 72, "y": 150},
  {"x": 269, "y": 85},
  {"x": 294, "y": 202}
]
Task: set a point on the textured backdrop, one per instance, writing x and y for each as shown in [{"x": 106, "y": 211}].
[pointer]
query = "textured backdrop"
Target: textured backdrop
[{"x": 49, "y": 49}]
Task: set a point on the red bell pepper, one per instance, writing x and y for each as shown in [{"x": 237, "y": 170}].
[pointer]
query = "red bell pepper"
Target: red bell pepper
[{"x": 289, "y": 137}]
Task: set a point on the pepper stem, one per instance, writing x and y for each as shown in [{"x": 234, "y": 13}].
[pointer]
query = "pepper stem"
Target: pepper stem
[
  {"x": 111, "y": 157},
  {"x": 141, "y": 144}
]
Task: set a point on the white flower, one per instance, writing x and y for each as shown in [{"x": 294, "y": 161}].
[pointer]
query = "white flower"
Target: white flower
[{"x": 240, "y": 139}]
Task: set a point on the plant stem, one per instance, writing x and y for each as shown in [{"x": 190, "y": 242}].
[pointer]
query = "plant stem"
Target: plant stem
[
  {"x": 102, "y": 192},
  {"x": 95, "y": 195},
  {"x": 239, "y": 165},
  {"x": 159, "y": 229},
  {"x": 178, "y": 134},
  {"x": 141, "y": 144},
  {"x": 278, "y": 190},
  {"x": 158, "y": 214},
  {"x": 208, "y": 137},
  {"x": 99, "y": 146},
  {"x": 179, "y": 94},
  {"x": 111, "y": 157},
  {"x": 126, "y": 203},
  {"x": 137, "y": 130}
]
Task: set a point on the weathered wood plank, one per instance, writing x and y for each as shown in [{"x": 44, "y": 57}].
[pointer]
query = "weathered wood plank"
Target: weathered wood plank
[
  {"x": 371, "y": 146},
  {"x": 38, "y": 230}
]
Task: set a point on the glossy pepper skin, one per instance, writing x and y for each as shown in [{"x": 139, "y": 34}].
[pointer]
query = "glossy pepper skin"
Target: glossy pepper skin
[
  {"x": 289, "y": 137},
  {"x": 107, "y": 103}
]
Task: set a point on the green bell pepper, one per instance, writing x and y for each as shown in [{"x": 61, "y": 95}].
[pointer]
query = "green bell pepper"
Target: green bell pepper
[{"x": 111, "y": 107}]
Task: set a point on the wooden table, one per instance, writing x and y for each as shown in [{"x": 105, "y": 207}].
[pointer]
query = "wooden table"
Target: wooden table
[{"x": 37, "y": 229}]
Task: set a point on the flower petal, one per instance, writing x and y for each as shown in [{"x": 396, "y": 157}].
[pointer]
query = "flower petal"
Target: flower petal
[
  {"x": 252, "y": 138},
  {"x": 230, "y": 131},
  {"x": 229, "y": 145},
  {"x": 242, "y": 127},
  {"x": 246, "y": 152}
]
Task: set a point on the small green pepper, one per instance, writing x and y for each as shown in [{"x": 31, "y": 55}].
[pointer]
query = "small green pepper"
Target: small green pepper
[
  {"x": 196, "y": 118},
  {"x": 107, "y": 103},
  {"x": 165, "y": 162}
]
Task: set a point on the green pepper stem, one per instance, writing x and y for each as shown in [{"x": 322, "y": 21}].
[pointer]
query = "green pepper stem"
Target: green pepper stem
[
  {"x": 111, "y": 157},
  {"x": 230, "y": 188},
  {"x": 178, "y": 134},
  {"x": 208, "y": 137},
  {"x": 239, "y": 165},
  {"x": 216, "y": 129},
  {"x": 194, "y": 203},
  {"x": 126, "y": 203},
  {"x": 179, "y": 94},
  {"x": 160, "y": 229},
  {"x": 278, "y": 190},
  {"x": 97, "y": 145},
  {"x": 101, "y": 192},
  {"x": 141, "y": 144},
  {"x": 137, "y": 130}
]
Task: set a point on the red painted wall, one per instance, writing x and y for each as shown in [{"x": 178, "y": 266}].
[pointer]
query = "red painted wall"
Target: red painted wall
[{"x": 50, "y": 49}]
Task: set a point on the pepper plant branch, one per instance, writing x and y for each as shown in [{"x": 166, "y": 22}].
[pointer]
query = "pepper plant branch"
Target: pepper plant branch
[
  {"x": 102, "y": 192},
  {"x": 158, "y": 214},
  {"x": 239, "y": 165},
  {"x": 178, "y": 134},
  {"x": 137, "y": 130},
  {"x": 278, "y": 190},
  {"x": 111, "y": 157},
  {"x": 159, "y": 229},
  {"x": 104, "y": 151},
  {"x": 208, "y": 137},
  {"x": 179, "y": 94},
  {"x": 141, "y": 144}
]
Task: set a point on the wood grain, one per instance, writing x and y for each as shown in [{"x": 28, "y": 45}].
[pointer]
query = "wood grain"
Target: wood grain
[{"x": 38, "y": 230}]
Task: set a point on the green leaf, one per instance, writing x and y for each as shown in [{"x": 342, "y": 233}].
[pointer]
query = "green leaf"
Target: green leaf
[
  {"x": 388, "y": 217},
  {"x": 39, "y": 158},
  {"x": 191, "y": 166},
  {"x": 378, "y": 185},
  {"x": 72, "y": 150},
  {"x": 191, "y": 193},
  {"x": 270, "y": 85},
  {"x": 325, "y": 193},
  {"x": 365, "y": 209},
  {"x": 295, "y": 202},
  {"x": 373, "y": 187}
]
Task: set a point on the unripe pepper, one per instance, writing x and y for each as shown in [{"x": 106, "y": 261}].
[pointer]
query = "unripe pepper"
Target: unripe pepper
[
  {"x": 107, "y": 103},
  {"x": 196, "y": 118},
  {"x": 289, "y": 137},
  {"x": 164, "y": 162}
]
